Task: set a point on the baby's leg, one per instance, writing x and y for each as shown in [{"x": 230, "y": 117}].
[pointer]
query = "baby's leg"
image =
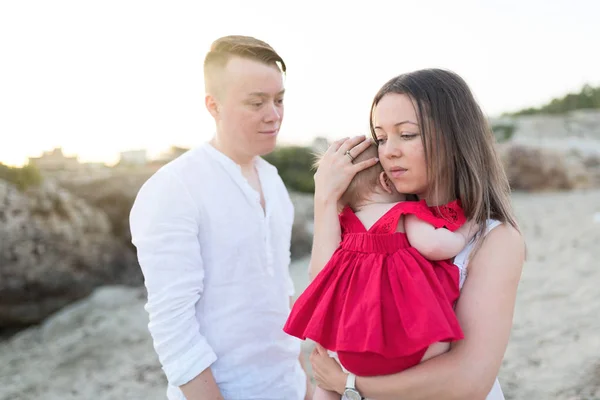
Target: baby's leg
[
  {"x": 435, "y": 350},
  {"x": 322, "y": 394}
]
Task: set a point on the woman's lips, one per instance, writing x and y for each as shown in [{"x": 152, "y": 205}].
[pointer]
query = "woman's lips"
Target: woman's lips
[{"x": 397, "y": 172}]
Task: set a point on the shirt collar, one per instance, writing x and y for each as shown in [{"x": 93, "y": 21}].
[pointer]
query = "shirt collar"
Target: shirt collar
[
  {"x": 234, "y": 170},
  {"x": 231, "y": 165}
]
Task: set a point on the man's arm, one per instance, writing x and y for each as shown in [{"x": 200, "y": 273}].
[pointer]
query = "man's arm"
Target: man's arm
[{"x": 164, "y": 227}]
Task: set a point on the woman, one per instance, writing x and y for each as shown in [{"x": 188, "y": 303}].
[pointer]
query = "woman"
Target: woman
[{"x": 434, "y": 142}]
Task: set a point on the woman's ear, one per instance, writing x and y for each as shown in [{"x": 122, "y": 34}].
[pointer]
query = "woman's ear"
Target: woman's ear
[{"x": 385, "y": 183}]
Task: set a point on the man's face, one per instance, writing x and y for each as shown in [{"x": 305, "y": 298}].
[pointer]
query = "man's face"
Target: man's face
[{"x": 250, "y": 106}]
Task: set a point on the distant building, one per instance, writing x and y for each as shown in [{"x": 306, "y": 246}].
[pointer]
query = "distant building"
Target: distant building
[
  {"x": 172, "y": 153},
  {"x": 55, "y": 160},
  {"x": 133, "y": 157},
  {"x": 94, "y": 165}
]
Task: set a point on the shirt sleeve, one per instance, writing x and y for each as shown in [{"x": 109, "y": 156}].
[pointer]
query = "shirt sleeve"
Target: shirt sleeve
[{"x": 164, "y": 223}]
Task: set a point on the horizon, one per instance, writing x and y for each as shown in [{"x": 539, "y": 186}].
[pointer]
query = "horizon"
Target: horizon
[
  {"x": 70, "y": 82},
  {"x": 155, "y": 155}
]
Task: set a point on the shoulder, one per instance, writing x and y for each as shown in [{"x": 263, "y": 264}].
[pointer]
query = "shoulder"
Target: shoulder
[
  {"x": 192, "y": 163},
  {"x": 499, "y": 237},
  {"x": 502, "y": 237},
  {"x": 185, "y": 172},
  {"x": 169, "y": 184},
  {"x": 502, "y": 247}
]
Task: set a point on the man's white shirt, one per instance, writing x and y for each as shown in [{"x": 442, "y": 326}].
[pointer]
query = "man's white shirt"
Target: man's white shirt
[{"x": 216, "y": 267}]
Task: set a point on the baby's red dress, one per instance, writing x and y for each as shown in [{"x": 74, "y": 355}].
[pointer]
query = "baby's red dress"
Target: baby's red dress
[{"x": 378, "y": 302}]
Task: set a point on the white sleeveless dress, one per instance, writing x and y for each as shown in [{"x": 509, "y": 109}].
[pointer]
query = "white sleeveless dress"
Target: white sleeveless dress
[{"x": 461, "y": 261}]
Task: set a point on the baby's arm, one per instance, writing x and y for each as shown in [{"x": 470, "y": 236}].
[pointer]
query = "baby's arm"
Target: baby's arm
[{"x": 437, "y": 244}]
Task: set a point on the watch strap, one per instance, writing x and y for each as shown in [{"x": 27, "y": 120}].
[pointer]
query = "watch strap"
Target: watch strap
[{"x": 351, "y": 381}]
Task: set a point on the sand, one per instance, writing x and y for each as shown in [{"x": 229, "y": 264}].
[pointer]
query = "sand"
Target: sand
[{"x": 100, "y": 349}]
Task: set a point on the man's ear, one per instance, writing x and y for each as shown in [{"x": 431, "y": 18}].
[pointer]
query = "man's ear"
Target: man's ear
[
  {"x": 212, "y": 105},
  {"x": 385, "y": 183}
]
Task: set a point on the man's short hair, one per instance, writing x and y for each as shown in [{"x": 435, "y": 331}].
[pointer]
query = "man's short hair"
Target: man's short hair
[{"x": 224, "y": 48}]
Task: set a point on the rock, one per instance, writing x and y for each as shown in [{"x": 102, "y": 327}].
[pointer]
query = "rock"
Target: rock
[
  {"x": 540, "y": 169},
  {"x": 114, "y": 195},
  {"x": 99, "y": 348},
  {"x": 96, "y": 348},
  {"x": 592, "y": 163},
  {"x": 54, "y": 249},
  {"x": 302, "y": 230}
]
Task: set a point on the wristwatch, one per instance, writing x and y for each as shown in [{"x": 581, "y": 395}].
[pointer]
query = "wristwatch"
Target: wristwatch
[{"x": 351, "y": 393}]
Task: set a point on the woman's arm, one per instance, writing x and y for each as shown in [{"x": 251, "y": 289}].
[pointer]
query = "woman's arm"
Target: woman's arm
[
  {"x": 485, "y": 311},
  {"x": 437, "y": 243},
  {"x": 331, "y": 181},
  {"x": 327, "y": 234}
]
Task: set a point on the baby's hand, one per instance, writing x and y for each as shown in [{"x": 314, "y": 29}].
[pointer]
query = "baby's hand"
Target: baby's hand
[{"x": 468, "y": 230}]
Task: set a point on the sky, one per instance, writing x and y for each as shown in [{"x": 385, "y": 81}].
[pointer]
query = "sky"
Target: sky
[{"x": 99, "y": 77}]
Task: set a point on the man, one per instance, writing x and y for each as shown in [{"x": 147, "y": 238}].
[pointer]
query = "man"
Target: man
[{"x": 213, "y": 231}]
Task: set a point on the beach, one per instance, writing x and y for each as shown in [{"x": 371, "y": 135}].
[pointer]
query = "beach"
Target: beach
[{"x": 100, "y": 347}]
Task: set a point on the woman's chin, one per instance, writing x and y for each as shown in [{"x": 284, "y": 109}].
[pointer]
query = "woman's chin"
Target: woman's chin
[{"x": 408, "y": 189}]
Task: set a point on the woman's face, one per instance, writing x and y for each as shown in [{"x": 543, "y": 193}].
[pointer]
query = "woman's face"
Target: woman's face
[{"x": 401, "y": 151}]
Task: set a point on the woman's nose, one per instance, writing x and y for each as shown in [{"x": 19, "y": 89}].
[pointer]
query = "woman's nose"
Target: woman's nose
[{"x": 392, "y": 149}]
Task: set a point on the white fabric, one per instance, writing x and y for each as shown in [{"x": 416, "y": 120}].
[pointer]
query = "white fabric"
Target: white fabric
[
  {"x": 461, "y": 261},
  {"x": 216, "y": 267},
  {"x": 462, "y": 258}
]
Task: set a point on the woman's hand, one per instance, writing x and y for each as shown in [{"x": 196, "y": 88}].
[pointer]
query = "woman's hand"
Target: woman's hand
[
  {"x": 336, "y": 169},
  {"x": 327, "y": 371}
]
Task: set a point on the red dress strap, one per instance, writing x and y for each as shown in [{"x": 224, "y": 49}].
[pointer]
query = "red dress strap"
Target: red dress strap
[
  {"x": 388, "y": 221},
  {"x": 449, "y": 216},
  {"x": 349, "y": 222}
]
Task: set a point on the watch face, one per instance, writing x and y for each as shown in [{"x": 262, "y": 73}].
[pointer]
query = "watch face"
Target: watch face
[{"x": 350, "y": 394}]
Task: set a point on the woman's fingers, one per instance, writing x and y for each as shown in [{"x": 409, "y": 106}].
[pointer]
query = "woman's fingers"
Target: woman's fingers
[
  {"x": 364, "y": 164},
  {"x": 359, "y": 148},
  {"x": 335, "y": 146},
  {"x": 350, "y": 144},
  {"x": 320, "y": 348}
]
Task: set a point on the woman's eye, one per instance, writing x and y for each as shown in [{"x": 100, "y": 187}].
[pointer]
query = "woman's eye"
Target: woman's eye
[
  {"x": 380, "y": 140},
  {"x": 408, "y": 136}
]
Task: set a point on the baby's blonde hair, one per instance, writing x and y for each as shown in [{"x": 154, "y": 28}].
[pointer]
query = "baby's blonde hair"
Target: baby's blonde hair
[{"x": 364, "y": 182}]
